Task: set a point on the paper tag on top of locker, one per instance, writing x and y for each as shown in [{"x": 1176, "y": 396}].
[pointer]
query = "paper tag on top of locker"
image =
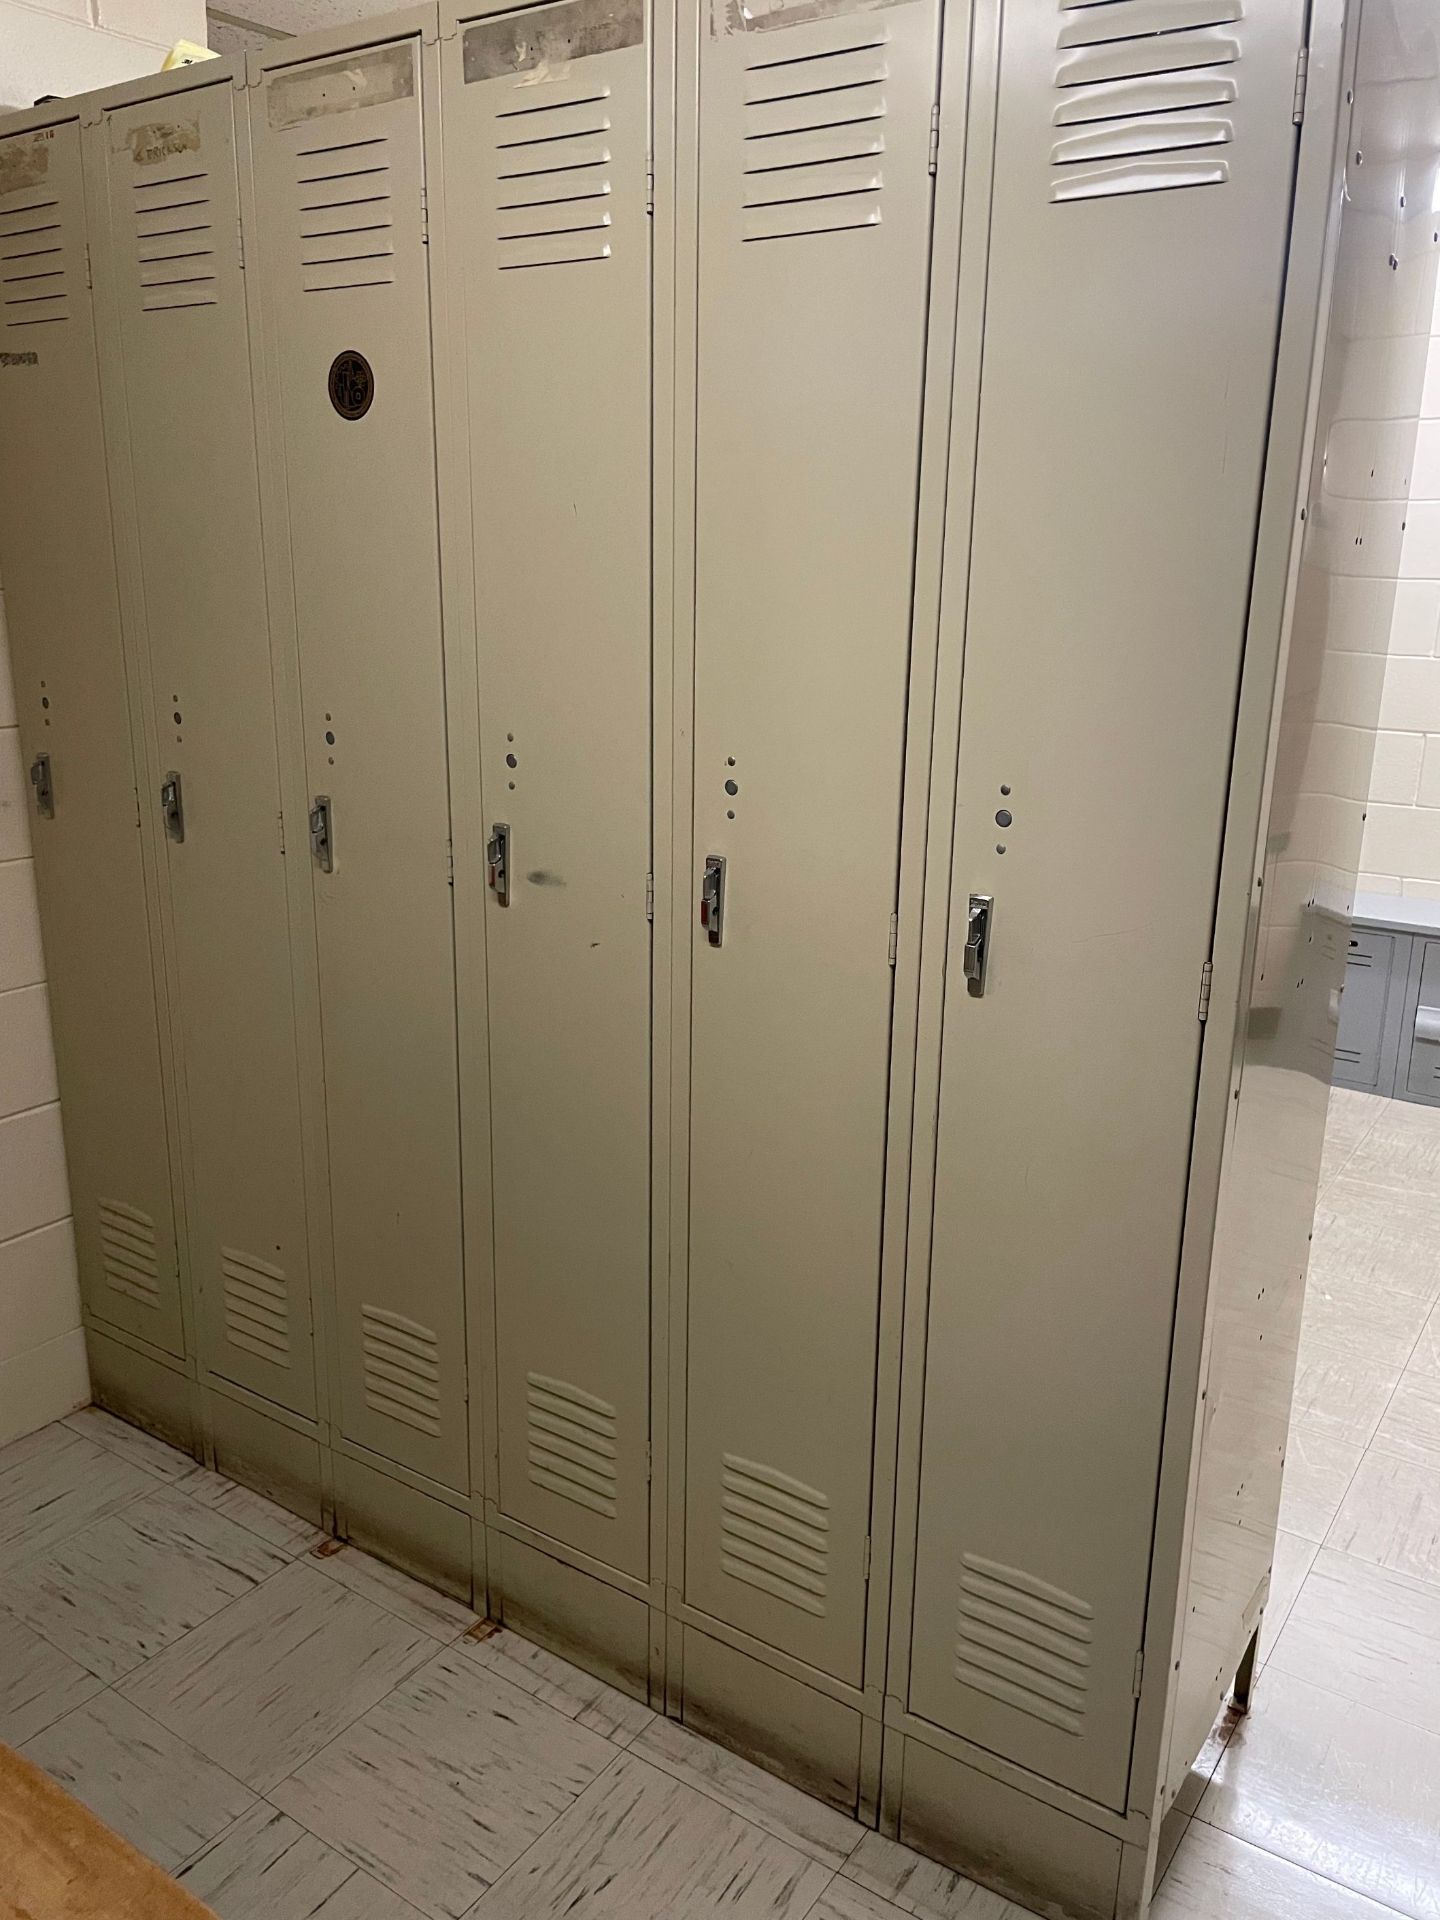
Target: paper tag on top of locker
[{"x": 542, "y": 42}]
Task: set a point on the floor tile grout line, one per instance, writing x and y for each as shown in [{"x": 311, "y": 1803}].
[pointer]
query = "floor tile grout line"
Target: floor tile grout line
[
  {"x": 591, "y": 1786},
  {"x": 322, "y": 1566},
  {"x": 1248, "y": 1840}
]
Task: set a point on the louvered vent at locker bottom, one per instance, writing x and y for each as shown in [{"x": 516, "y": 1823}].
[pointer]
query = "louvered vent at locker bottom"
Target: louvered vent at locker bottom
[
  {"x": 346, "y": 229},
  {"x": 175, "y": 242},
  {"x": 33, "y": 285},
  {"x": 1023, "y": 1642},
  {"x": 570, "y": 1436},
  {"x": 1142, "y": 88},
  {"x": 127, "y": 1252},
  {"x": 401, "y": 1369},
  {"x": 552, "y": 178},
  {"x": 814, "y": 142},
  {"x": 774, "y": 1533},
  {"x": 257, "y": 1306}
]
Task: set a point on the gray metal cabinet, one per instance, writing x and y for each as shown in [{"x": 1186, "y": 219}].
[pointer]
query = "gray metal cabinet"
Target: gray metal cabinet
[
  {"x": 1365, "y": 1047},
  {"x": 75, "y": 727},
  {"x": 339, "y": 157},
  {"x": 549, "y": 248},
  {"x": 1420, "y": 1029},
  {"x": 1389, "y": 1037},
  {"x": 177, "y": 377},
  {"x": 814, "y": 232}
]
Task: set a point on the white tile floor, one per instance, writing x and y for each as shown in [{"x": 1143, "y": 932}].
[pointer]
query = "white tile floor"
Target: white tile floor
[{"x": 304, "y": 1735}]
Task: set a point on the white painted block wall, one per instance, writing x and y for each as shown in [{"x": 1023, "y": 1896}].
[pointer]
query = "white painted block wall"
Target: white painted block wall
[
  {"x": 1402, "y": 832},
  {"x": 70, "y": 46},
  {"x": 42, "y": 1350}
]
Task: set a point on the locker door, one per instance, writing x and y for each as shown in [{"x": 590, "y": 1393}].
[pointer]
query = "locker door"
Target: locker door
[
  {"x": 814, "y": 234},
  {"x": 1131, "y": 319},
  {"x": 57, "y": 564},
  {"x": 173, "y": 263},
  {"x": 551, "y": 248},
  {"x": 340, "y": 181}
]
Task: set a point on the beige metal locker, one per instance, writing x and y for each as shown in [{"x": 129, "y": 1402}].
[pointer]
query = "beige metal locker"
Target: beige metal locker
[
  {"x": 178, "y": 379},
  {"x": 546, "y": 147},
  {"x": 57, "y": 564},
  {"x": 339, "y": 162},
  {"x": 1131, "y": 319},
  {"x": 814, "y": 231}
]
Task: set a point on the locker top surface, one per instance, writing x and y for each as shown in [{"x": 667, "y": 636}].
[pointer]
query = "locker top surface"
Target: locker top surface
[{"x": 1396, "y": 912}]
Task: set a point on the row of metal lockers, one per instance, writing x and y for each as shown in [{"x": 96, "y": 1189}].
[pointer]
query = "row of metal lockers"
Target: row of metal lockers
[{"x": 564, "y": 713}]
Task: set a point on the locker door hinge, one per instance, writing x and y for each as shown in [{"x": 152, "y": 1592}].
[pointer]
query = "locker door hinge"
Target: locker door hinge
[
  {"x": 1139, "y": 1680},
  {"x": 649, "y": 1463},
  {"x": 88, "y": 281},
  {"x": 280, "y": 827},
  {"x": 1207, "y": 973},
  {"x": 866, "y": 1561},
  {"x": 649, "y": 896},
  {"x": 894, "y": 936},
  {"x": 1302, "y": 79},
  {"x": 424, "y": 219},
  {"x": 450, "y": 863},
  {"x": 649, "y": 183},
  {"x": 240, "y": 244},
  {"x": 933, "y": 161}
]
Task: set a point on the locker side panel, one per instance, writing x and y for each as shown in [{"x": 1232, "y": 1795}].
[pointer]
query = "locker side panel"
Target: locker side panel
[
  {"x": 814, "y": 233},
  {"x": 550, "y": 245},
  {"x": 173, "y": 261},
  {"x": 1131, "y": 322},
  {"x": 339, "y": 163},
  {"x": 57, "y": 562}
]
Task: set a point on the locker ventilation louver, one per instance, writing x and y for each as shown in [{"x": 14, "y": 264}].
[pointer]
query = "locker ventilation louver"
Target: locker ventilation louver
[
  {"x": 1143, "y": 88},
  {"x": 552, "y": 178},
  {"x": 175, "y": 242},
  {"x": 34, "y": 289},
  {"x": 1023, "y": 1642},
  {"x": 571, "y": 1442},
  {"x": 774, "y": 1533},
  {"x": 257, "y": 1306},
  {"x": 813, "y": 142},
  {"x": 346, "y": 230},
  {"x": 128, "y": 1254},
  {"x": 401, "y": 1369}
]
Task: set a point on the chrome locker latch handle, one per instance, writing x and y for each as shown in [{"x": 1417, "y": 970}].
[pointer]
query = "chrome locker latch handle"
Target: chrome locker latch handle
[
  {"x": 44, "y": 787},
  {"x": 322, "y": 834},
  {"x": 497, "y": 858},
  {"x": 172, "y": 807},
  {"x": 712, "y": 898},
  {"x": 977, "y": 942}
]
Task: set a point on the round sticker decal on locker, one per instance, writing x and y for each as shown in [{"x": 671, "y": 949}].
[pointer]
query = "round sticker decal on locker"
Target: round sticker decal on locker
[{"x": 352, "y": 384}]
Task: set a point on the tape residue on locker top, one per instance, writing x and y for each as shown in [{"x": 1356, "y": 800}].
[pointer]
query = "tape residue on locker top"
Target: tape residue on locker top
[
  {"x": 159, "y": 140},
  {"x": 25, "y": 160},
  {"x": 543, "y": 43},
  {"x": 337, "y": 86},
  {"x": 758, "y": 16}
]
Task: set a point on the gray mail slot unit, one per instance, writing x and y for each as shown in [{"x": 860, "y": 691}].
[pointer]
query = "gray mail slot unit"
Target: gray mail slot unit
[{"x": 1389, "y": 1038}]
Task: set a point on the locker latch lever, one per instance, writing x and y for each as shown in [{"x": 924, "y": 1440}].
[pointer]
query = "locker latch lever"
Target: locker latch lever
[
  {"x": 497, "y": 858},
  {"x": 977, "y": 942},
  {"x": 322, "y": 839},
  {"x": 44, "y": 787},
  {"x": 712, "y": 898},
  {"x": 172, "y": 807}
]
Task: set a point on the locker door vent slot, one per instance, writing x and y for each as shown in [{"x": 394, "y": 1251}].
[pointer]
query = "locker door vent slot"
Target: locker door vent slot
[
  {"x": 813, "y": 139},
  {"x": 33, "y": 285},
  {"x": 774, "y": 1533},
  {"x": 257, "y": 1306},
  {"x": 1023, "y": 1642},
  {"x": 128, "y": 1254},
  {"x": 401, "y": 1368},
  {"x": 347, "y": 236},
  {"x": 174, "y": 251},
  {"x": 552, "y": 179},
  {"x": 1140, "y": 82},
  {"x": 571, "y": 1437}
]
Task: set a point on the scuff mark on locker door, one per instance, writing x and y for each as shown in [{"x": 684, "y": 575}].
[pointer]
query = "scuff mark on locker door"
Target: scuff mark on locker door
[
  {"x": 759, "y": 16},
  {"x": 542, "y": 43},
  {"x": 24, "y": 160},
  {"x": 371, "y": 79},
  {"x": 158, "y": 140}
]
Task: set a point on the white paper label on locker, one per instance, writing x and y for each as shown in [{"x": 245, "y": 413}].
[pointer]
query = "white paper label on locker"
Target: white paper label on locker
[{"x": 360, "y": 80}]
